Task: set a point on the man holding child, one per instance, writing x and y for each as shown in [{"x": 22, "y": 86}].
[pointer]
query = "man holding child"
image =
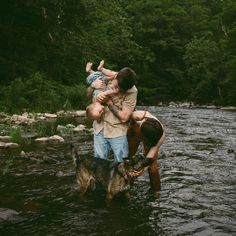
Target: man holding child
[{"x": 115, "y": 105}]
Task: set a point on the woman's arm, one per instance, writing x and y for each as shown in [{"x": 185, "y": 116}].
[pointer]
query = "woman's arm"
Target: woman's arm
[{"x": 155, "y": 149}]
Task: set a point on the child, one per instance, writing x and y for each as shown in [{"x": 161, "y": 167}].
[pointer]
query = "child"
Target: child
[{"x": 96, "y": 109}]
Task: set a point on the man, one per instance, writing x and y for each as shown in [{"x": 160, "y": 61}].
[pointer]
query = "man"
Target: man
[{"x": 111, "y": 131}]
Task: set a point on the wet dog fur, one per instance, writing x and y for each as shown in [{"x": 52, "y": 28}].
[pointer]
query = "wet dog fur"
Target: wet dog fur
[{"x": 113, "y": 177}]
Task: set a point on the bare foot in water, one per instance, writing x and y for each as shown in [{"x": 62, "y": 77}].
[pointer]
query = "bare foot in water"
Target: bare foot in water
[
  {"x": 88, "y": 68},
  {"x": 101, "y": 64}
]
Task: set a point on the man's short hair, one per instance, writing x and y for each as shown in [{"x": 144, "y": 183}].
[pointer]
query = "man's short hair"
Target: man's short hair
[
  {"x": 126, "y": 78},
  {"x": 152, "y": 131}
]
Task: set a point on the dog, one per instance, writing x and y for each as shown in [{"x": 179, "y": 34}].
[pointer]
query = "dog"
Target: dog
[{"x": 113, "y": 177}]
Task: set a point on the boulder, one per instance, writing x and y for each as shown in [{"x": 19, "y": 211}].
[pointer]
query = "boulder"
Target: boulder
[
  {"x": 52, "y": 139},
  {"x": 8, "y": 145},
  {"x": 56, "y": 138},
  {"x": 18, "y": 119},
  {"x": 49, "y": 115},
  {"x": 80, "y": 113},
  {"x": 41, "y": 140},
  {"x": 11, "y": 145},
  {"x": 5, "y": 138},
  {"x": 229, "y": 108},
  {"x": 79, "y": 128}
]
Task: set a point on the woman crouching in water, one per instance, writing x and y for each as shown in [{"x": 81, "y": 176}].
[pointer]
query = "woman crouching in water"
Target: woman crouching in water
[{"x": 147, "y": 129}]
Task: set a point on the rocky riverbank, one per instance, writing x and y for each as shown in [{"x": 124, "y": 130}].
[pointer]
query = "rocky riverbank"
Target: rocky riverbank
[
  {"x": 20, "y": 123},
  {"x": 21, "y": 126}
]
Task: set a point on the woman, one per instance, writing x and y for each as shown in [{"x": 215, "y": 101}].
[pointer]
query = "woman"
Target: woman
[{"x": 148, "y": 129}]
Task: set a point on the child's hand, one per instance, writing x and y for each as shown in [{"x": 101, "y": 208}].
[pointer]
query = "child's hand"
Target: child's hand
[{"x": 98, "y": 84}]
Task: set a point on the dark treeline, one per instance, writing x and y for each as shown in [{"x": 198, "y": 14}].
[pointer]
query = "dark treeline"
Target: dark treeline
[{"x": 181, "y": 50}]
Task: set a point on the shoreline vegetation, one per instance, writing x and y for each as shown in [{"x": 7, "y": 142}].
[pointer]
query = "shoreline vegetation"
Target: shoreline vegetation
[{"x": 49, "y": 128}]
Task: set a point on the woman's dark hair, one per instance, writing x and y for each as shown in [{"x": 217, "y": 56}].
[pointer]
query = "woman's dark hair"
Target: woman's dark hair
[
  {"x": 126, "y": 78},
  {"x": 152, "y": 131}
]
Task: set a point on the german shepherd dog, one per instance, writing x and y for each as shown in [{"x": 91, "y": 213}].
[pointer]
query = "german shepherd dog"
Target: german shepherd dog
[{"x": 113, "y": 177}]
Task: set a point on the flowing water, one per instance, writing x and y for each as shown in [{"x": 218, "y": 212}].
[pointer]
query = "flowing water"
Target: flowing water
[{"x": 198, "y": 174}]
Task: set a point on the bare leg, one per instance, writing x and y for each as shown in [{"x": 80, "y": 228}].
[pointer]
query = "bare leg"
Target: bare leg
[
  {"x": 154, "y": 176},
  {"x": 101, "y": 64},
  {"x": 155, "y": 180},
  {"x": 127, "y": 196},
  {"x": 88, "y": 68},
  {"x": 109, "y": 197},
  {"x": 108, "y": 73}
]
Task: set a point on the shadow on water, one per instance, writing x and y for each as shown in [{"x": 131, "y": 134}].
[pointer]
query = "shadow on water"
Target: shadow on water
[{"x": 197, "y": 167}]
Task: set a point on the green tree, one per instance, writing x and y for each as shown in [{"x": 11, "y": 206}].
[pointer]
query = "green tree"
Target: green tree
[{"x": 203, "y": 61}]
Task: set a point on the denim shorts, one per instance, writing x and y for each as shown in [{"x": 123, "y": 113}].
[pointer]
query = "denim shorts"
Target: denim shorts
[{"x": 118, "y": 145}]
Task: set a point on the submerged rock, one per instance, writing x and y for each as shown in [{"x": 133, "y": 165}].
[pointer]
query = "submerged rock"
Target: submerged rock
[{"x": 9, "y": 215}]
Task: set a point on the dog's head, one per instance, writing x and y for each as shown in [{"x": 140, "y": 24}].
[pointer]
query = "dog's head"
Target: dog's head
[{"x": 134, "y": 164}]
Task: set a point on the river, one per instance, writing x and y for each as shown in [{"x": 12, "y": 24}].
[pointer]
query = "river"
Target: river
[{"x": 198, "y": 175}]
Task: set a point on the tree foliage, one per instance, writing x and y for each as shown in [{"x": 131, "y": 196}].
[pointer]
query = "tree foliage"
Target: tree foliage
[{"x": 181, "y": 50}]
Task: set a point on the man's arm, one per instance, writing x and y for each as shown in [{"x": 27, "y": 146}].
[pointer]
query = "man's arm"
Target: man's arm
[
  {"x": 128, "y": 105},
  {"x": 123, "y": 114}
]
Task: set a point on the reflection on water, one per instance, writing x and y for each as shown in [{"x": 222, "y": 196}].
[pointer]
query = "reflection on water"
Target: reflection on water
[{"x": 198, "y": 173}]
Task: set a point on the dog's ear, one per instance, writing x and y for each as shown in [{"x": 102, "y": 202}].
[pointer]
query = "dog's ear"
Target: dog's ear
[{"x": 74, "y": 153}]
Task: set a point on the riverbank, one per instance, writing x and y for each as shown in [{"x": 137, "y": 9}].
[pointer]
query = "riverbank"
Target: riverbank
[
  {"x": 44, "y": 128},
  {"x": 40, "y": 128}
]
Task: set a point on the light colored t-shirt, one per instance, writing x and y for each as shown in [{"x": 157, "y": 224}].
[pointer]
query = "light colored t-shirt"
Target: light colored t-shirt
[{"x": 112, "y": 126}]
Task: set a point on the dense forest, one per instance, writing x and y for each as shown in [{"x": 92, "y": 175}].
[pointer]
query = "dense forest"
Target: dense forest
[{"x": 181, "y": 50}]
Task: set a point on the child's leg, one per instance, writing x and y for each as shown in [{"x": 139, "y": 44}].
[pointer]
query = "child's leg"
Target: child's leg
[
  {"x": 108, "y": 73},
  {"x": 95, "y": 75},
  {"x": 88, "y": 68}
]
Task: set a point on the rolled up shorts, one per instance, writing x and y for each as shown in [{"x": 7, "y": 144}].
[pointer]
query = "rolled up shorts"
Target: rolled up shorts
[{"x": 118, "y": 145}]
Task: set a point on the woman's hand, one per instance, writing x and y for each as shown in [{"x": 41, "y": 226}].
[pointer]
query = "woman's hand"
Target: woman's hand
[{"x": 136, "y": 173}]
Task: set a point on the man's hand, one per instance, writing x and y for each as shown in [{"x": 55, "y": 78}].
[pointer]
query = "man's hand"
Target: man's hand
[
  {"x": 109, "y": 102},
  {"x": 98, "y": 84},
  {"x": 102, "y": 97},
  {"x": 114, "y": 89}
]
